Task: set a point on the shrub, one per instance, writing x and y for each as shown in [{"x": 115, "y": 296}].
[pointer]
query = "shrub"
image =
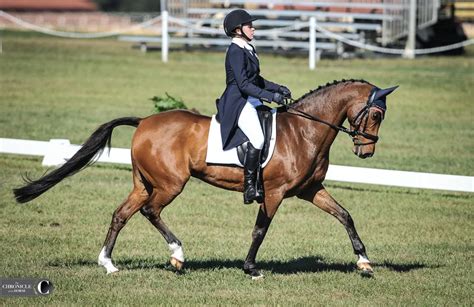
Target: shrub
[{"x": 167, "y": 103}]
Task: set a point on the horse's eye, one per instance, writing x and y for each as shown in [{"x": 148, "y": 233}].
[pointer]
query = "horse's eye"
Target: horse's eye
[{"x": 376, "y": 116}]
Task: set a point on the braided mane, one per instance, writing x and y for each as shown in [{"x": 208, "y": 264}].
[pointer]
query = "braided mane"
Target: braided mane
[{"x": 327, "y": 85}]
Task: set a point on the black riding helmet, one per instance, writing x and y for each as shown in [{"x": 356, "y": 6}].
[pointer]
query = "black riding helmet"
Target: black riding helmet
[{"x": 236, "y": 19}]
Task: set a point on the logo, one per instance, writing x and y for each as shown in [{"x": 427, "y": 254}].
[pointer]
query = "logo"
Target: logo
[
  {"x": 25, "y": 287},
  {"x": 44, "y": 287}
]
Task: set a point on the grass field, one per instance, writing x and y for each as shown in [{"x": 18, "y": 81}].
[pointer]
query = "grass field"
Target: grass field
[{"x": 420, "y": 240}]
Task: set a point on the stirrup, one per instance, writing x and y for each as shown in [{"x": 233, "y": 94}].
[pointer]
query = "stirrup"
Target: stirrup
[{"x": 257, "y": 197}]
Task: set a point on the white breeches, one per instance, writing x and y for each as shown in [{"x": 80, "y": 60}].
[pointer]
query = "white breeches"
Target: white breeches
[{"x": 250, "y": 124}]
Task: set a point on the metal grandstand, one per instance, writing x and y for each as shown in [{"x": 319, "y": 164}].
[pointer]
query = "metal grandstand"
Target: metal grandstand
[{"x": 284, "y": 23}]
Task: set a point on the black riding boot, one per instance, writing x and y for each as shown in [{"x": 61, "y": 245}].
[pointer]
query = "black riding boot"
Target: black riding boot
[
  {"x": 251, "y": 167},
  {"x": 260, "y": 191}
]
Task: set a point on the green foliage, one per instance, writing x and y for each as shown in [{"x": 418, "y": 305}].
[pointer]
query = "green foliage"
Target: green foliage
[
  {"x": 167, "y": 103},
  {"x": 419, "y": 240}
]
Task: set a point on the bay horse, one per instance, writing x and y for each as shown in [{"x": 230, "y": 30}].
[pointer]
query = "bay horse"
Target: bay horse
[{"x": 170, "y": 147}]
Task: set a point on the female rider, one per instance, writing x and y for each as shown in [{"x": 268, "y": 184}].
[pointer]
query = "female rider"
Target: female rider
[{"x": 244, "y": 91}]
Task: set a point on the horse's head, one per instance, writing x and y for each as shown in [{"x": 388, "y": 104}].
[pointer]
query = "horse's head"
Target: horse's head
[{"x": 365, "y": 118}]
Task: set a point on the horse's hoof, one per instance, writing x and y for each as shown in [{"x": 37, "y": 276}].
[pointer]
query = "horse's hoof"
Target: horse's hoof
[
  {"x": 178, "y": 265},
  {"x": 112, "y": 271},
  {"x": 254, "y": 274},
  {"x": 109, "y": 267},
  {"x": 365, "y": 269}
]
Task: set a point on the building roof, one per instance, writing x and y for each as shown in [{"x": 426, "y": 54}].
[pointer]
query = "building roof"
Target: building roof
[{"x": 47, "y": 5}]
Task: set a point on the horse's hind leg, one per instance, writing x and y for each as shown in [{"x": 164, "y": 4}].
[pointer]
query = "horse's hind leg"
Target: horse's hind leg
[
  {"x": 129, "y": 207},
  {"x": 322, "y": 199},
  {"x": 152, "y": 211}
]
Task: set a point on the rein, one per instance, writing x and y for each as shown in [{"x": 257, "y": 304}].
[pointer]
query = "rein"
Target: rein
[{"x": 351, "y": 133}]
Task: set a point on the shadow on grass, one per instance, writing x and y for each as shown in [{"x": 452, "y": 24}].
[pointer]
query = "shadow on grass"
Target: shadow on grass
[
  {"x": 127, "y": 263},
  {"x": 312, "y": 264},
  {"x": 402, "y": 268}
]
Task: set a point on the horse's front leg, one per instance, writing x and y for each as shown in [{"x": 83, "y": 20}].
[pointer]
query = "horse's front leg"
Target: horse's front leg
[
  {"x": 322, "y": 199},
  {"x": 264, "y": 218}
]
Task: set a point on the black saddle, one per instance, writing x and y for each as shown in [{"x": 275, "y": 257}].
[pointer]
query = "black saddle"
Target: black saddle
[{"x": 265, "y": 115}]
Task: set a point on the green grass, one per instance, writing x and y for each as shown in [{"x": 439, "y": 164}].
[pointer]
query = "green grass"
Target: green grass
[{"x": 420, "y": 240}]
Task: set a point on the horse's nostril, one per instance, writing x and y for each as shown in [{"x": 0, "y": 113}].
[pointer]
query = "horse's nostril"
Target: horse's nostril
[
  {"x": 357, "y": 151},
  {"x": 366, "y": 155}
]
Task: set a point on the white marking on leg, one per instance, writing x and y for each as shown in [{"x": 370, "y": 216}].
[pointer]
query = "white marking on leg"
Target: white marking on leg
[
  {"x": 106, "y": 262},
  {"x": 260, "y": 276},
  {"x": 177, "y": 250},
  {"x": 362, "y": 259}
]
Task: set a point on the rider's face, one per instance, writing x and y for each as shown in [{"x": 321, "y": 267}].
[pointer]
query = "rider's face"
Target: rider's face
[{"x": 249, "y": 30}]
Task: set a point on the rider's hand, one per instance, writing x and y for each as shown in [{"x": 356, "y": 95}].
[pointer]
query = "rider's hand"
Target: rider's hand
[
  {"x": 277, "y": 98},
  {"x": 284, "y": 91}
]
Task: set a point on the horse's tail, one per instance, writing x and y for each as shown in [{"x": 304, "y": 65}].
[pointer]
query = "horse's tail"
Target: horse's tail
[{"x": 92, "y": 148}]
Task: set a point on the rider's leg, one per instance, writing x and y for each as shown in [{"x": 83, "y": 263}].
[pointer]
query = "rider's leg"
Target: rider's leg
[{"x": 250, "y": 125}]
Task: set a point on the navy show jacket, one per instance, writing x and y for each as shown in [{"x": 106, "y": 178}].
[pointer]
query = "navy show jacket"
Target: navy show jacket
[{"x": 243, "y": 79}]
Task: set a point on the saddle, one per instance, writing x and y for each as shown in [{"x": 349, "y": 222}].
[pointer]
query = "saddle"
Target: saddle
[
  {"x": 265, "y": 116},
  {"x": 236, "y": 156}
]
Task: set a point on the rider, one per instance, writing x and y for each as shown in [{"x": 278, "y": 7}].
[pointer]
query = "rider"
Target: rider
[{"x": 244, "y": 91}]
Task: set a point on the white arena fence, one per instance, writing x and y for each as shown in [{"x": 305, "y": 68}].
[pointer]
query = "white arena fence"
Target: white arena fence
[
  {"x": 57, "y": 151},
  {"x": 164, "y": 24},
  {"x": 85, "y": 35}
]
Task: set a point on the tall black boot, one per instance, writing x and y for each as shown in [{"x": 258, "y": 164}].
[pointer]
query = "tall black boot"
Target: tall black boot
[
  {"x": 260, "y": 191},
  {"x": 251, "y": 167}
]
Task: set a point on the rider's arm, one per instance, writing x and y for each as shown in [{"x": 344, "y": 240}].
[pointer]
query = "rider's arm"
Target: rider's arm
[
  {"x": 268, "y": 85},
  {"x": 239, "y": 69}
]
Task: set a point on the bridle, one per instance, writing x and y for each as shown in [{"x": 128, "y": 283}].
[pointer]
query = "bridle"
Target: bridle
[{"x": 363, "y": 114}]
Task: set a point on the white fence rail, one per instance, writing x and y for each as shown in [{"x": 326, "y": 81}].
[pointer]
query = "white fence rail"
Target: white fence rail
[
  {"x": 56, "y": 152},
  {"x": 284, "y": 34}
]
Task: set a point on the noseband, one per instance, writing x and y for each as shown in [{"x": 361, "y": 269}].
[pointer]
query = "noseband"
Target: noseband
[{"x": 363, "y": 114}]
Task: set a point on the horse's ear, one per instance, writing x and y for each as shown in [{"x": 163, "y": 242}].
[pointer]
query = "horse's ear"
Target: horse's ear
[{"x": 379, "y": 94}]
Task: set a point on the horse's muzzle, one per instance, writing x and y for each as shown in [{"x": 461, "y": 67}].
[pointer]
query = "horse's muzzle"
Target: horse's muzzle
[{"x": 362, "y": 153}]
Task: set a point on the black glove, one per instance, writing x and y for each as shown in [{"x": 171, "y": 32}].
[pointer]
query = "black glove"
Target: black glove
[
  {"x": 277, "y": 98},
  {"x": 284, "y": 91}
]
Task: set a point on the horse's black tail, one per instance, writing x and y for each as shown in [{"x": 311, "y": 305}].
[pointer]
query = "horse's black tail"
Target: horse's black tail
[{"x": 83, "y": 158}]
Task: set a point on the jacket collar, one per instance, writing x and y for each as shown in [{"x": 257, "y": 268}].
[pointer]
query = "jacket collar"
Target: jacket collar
[
  {"x": 242, "y": 43},
  {"x": 249, "y": 49}
]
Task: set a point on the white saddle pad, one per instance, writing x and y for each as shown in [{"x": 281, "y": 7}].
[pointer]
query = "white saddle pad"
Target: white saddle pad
[{"x": 215, "y": 153}]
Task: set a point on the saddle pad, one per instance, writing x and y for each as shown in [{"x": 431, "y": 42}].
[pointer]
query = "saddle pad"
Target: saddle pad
[{"x": 215, "y": 153}]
